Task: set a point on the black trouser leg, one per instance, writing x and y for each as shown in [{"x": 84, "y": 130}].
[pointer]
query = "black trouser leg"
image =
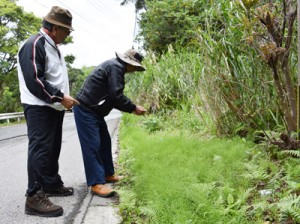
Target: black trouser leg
[{"x": 44, "y": 147}]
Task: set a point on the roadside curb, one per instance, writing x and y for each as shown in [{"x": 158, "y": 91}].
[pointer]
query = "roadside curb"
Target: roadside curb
[
  {"x": 97, "y": 210},
  {"x": 80, "y": 216}
]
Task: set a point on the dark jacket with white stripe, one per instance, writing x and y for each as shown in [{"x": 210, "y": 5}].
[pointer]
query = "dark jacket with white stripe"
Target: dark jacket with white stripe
[{"x": 42, "y": 72}]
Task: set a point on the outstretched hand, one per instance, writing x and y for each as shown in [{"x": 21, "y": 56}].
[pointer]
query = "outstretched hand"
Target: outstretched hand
[{"x": 139, "y": 110}]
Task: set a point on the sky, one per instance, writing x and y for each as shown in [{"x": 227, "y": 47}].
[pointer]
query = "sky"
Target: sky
[{"x": 102, "y": 27}]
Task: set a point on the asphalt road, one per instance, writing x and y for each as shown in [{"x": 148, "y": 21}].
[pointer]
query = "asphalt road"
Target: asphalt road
[{"x": 13, "y": 162}]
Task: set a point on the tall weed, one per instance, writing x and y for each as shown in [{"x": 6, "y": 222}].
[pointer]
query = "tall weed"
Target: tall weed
[
  {"x": 185, "y": 82},
  {"x": 217, "y": 74}
]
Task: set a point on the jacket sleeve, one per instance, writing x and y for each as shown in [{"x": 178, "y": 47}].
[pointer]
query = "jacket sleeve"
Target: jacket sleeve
[
  {"x": 116, "y": 85},
  {"x": 32, "y": 59}
]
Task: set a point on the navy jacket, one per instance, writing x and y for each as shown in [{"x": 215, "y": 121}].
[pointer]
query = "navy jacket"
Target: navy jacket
[{"x": 103, "y": 89}]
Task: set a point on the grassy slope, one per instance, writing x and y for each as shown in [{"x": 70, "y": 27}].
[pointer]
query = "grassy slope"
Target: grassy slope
[{"x": 175, "y": 178}]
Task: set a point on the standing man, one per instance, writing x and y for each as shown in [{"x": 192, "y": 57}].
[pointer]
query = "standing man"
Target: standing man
[
  {"x": 44, "y": 88},
  {"x": 101, "y": 92}
]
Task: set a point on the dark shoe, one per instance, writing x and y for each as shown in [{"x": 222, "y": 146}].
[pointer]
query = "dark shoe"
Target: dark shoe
[
  {"x": 60, "y": 191},
  {"x": 113, "y": 179},
  {"x": 40, "y": 205},
  {"x": 102, "y": 191}
]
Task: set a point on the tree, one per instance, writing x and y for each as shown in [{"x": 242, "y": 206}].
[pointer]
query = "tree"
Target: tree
[
  {"x": 15, "y": 26},
  {"x": 231, "y": 38},
  {"x": 171, "y": 22},
  {"x": 75, "y": 79},
  {"x": 139, "y": 4},
  {"x": 271, "y": 32}
]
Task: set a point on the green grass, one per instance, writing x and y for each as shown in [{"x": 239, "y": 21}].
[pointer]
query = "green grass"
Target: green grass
[
  {"x": 177, "y": 178},
  {"x": 176, "y": 175}
]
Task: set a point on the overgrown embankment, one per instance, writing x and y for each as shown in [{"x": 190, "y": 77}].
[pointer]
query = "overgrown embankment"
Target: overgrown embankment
[{"x": 174, "y": 176}]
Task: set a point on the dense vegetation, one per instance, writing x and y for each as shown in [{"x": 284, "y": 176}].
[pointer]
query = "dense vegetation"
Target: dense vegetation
[
  {"x": 230, "y": 63},
  {"x": 214, "y": 68},
  {"x": 237, "y": 62},
  {"x": 175, "y": 176}
]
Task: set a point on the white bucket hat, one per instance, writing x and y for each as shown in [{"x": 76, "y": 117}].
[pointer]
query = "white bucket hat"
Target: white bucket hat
[{"x": 132, "y": 57}]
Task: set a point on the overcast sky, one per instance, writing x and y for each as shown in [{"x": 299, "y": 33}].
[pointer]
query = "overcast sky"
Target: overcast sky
[{"x": 102, "y": 27}]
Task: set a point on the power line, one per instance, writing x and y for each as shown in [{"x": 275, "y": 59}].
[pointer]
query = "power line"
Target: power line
[
  {"x": 87, "y": 31},
  {"x": 134, "y": 29},
  {"x": 105, "y": 12},
  {"x": 90, "y": 20},
  {"x": 42, "y": 4},
  {"x": 102, "y": 41},
  {"x": 73, "y": 11}
]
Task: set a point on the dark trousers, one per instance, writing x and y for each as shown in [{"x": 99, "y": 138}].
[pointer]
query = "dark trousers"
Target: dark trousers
[
  {"x": 95, "y": 144},
  {"x": 44, "y": 128}
]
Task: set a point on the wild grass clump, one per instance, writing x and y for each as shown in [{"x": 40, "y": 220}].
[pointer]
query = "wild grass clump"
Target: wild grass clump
[
  {"x": 186, "y": 84},
  {"x": 234, "y": 58}
]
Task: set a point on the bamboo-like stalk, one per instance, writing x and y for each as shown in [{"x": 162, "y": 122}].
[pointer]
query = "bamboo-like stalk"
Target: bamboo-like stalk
[{"x": 298, "y": 87}]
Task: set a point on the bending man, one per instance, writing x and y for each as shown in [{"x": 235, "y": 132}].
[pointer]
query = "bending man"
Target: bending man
[{"x": 101, "y": 92}]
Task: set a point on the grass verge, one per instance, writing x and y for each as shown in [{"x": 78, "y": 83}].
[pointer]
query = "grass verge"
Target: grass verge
[{"x": 178, "y": 178}]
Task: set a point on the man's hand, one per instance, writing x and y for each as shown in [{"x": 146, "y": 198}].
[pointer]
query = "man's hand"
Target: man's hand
[
  {"x": 68, "y": 102},
  {"x": 139, "y": 110}
]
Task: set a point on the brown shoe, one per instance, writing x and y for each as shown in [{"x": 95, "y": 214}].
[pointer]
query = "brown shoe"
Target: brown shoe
[
  {"x": 40, "y": 205},
  {"x": 113, "y": 179},
  {"x": 102, "y": 190},
  {"x": 60, "y": 191}
]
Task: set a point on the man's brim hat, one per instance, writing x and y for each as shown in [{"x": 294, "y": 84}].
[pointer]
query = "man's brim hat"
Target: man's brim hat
[
  {"x": 59, "y": 16},
  {"x": 132, "y": 57}
]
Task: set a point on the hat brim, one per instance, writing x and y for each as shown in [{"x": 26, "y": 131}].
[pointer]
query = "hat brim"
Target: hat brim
[
  {"x": 57, "y": 23},
  {"x": 128, "y": 60}
]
